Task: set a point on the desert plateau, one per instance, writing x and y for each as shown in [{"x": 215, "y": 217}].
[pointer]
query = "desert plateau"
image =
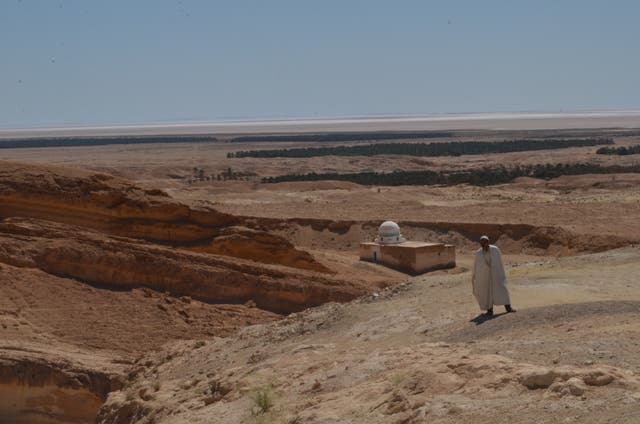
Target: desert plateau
[{"x": 173, "y": 280}]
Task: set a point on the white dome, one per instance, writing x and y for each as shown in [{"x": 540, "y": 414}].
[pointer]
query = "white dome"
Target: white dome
[
  {"x": 389, "y": 229},
  {"x": 389, "y": 233}
]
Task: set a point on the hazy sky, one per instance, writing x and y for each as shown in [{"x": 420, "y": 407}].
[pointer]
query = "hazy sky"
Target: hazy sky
[{"x": 93, "y": 61}]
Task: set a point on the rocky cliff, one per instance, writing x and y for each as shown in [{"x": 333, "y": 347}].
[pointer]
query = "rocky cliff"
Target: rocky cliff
[
  {"x": 86, "y": 255},
  {"x": 34, "y": 390},
  {"x": 117, "y": 207},
  {"x": 95, "y": 271}
]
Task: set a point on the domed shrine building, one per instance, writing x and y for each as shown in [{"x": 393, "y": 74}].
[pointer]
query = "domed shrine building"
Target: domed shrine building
[{"x": 411, "y": 257}]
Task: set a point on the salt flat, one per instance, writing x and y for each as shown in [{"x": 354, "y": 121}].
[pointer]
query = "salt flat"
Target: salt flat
[{"x": 436, "y": 122}]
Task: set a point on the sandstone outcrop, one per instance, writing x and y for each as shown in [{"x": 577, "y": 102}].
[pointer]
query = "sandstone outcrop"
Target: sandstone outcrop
[
  {"x": 93, "y": 265},
  {"x": 37, "y": 390},
  {"x": 69, "y": 251},
  {"x": 117, "y": 207},
  {"x": 574, "y": 380},
  {"x": 247, "y": 243}
]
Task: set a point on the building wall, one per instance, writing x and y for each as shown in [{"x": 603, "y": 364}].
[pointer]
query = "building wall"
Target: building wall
[
  {"x": 410, "y": 259},
  {"x": 370, "y": 252},
  {"x": 430, "y": 260},
  {"x": 399, "y": 257}
]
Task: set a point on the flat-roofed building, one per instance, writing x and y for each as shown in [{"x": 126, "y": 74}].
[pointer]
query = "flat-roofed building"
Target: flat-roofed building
[{"x": 413, "y": 257}]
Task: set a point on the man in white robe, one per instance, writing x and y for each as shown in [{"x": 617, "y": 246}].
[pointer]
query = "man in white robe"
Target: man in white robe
[{"x": 488, "y": 279}]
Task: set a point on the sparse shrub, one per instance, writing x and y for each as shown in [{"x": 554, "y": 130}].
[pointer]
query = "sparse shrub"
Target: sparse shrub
[
  {"x": 215, "y": 391},
  {"x": 397, "y": 379},
  {"x": 199, "y": 344},
  {"x": 219, "y": 388},
  {"x": 262, "y": 400}
]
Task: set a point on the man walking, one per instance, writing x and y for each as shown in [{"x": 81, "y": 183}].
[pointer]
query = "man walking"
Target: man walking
[{"x": 488, "y": 279}]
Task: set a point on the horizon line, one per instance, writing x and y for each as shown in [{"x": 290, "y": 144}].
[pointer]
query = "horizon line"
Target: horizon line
[
  {"x": 535, "y": 114},
  {"x": 231, "y": 126}
]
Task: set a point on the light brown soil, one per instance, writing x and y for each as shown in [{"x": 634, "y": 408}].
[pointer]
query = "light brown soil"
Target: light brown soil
[
  {"x": 605, "y": 204},
  {"x": 95, "y": 271},
  {"x": 409, "y": 355},
  {"x": 412, "y": 354},
  {"x": 39, "y": 309}
]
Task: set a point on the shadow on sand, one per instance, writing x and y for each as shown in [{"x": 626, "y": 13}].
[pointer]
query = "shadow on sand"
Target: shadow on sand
[{"x": 482, "y": 318}]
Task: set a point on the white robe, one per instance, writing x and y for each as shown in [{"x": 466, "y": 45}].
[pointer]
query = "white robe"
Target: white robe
[{"x": 488, "y": 279}]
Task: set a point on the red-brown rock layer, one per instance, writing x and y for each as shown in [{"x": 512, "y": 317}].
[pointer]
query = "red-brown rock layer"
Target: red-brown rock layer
[
  {"x": 58, "y": 391},
  {"x": 117, "y": 207},
  {"x": 246, "y": 243},
  {"x": 92, "y": 257}
]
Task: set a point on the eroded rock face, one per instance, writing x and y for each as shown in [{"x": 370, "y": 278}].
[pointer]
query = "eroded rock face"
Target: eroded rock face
[
  {"x": 117, "y": 207},
  {"x": 102, "y": 202},
  {"x": 60, "y": 228},
  {"x": 89, "y": 256},
  {"x": 65, "y": 344},
  {"x": 247, "y": 243},
  {"x": 574, "y": 380},
  {"x": 35, "y": 390}
]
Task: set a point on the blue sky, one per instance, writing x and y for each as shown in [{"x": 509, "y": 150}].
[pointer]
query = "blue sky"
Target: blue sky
[{"x": 84, "y": 62}]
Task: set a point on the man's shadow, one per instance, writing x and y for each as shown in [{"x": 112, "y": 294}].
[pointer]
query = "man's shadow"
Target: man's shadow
[{"x": 482, "y": 318}]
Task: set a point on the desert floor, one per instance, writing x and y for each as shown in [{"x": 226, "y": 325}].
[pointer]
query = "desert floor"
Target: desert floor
[
  {"x": 419, "y": 353},
  {"x": 416, "y": 352}
]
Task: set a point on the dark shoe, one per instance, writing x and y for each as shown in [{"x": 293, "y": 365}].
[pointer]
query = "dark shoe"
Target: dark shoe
[
  {"x": 509, "y": 308},
  {"x": 489, "y": 313}
]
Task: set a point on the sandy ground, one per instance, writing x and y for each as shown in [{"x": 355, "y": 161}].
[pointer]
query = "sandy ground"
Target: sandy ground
[
  {"x": 413, "y": 354},
  {"x": 417, "y": 353},
  {"x": 171, "y": 164},
  {"x": 39, "y": 310},
  {"x": 601, "y": 204}
]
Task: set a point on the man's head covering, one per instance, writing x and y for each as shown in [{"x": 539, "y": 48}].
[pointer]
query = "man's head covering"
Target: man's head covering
[{"x": 484, "y": 238}]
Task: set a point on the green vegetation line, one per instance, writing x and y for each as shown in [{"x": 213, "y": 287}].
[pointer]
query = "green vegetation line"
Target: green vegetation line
[
  {"x": 477, "y": 177},
  {"x": 621, "y": 151},
  {"x": 426, "y": 149}
]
